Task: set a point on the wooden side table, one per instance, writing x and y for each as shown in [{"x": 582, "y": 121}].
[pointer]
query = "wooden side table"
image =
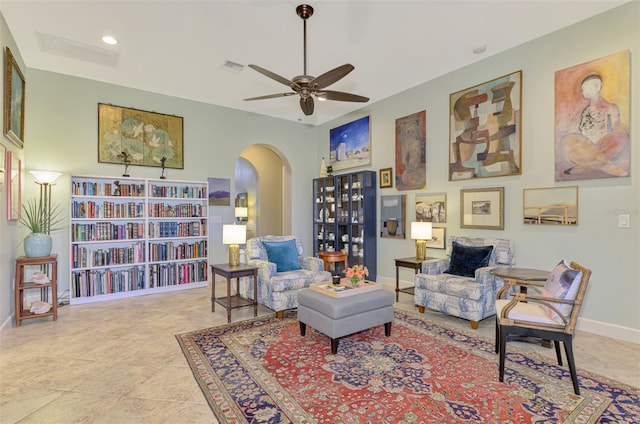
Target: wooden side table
[
  {"x": 411, "y": 263},
  {"x": 48, "y": 265},
  {"x": 234, "y": 301},
  {"x": 333, "y": 257}
]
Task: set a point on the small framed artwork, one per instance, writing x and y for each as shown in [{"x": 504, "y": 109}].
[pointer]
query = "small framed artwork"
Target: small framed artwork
[
  {"x": 350, "y": 144},
  {"x": 482, "y": 208},
  {"x": 14, "y": 88},
  {"x": 392, "y": 214},
  {"x": 437, "y": 238},
  {"x": 484, "y": 129},
  {"x": 14, "y": 172},
  {"x": 386, "y": 178},
  {"x": 431, "y": 207},
  {"x": 551, "y": 205},
  {"x": 219, "y": 191}
]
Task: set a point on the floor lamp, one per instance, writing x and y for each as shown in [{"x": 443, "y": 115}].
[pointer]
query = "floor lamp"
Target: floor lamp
[{"x": 45, "y": 179}]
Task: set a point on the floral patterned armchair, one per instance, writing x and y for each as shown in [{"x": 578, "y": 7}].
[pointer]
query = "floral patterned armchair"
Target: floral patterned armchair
[
  {"x": 470, "y": 297},
  {"x": 279, "y": 290}
]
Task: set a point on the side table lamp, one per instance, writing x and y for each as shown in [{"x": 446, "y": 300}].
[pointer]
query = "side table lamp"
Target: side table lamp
[
  {"x": 421, "y": 232},
  {"x": 234, "y": 235}
]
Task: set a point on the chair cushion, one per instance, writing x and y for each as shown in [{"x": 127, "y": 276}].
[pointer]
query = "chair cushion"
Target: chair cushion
[
  {"x": 284, "y": 254},
  {"x": 530, "y": 312},
  {"x": 466, "y": 259},
  {"x": 563, "y": 283}
]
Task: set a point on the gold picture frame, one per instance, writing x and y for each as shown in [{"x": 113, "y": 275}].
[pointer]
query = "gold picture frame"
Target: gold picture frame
[
  {"x": 550, "y": 205},
  {"x": 386, "y": 177},
  {"x": 14, "y": 91},
  {"x": 482, "y": 208}
]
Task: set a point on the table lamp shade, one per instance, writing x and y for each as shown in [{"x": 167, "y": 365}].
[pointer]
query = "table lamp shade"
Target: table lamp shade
[
  {"x": 234, "y": 236},
  {"x": 421, "y": 232}
]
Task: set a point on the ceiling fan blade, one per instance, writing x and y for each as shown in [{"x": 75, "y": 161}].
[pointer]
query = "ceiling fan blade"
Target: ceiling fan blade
[
  {"x": 306, "y": 104},
  {"x": 342, "y": 97},
  {"x": 331, "y": 76},
  {"x": 271, "y": 96},
  {"x": 276, "y": 77}
]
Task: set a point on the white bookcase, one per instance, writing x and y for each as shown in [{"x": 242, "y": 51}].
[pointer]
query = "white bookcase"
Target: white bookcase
[{"x": 136, "y": 236}]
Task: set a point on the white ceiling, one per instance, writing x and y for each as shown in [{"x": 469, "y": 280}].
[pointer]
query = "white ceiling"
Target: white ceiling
[{"x": 178, "y": 48}]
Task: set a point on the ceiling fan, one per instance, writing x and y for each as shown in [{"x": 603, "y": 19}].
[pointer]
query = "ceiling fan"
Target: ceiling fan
[{"x": 307, "y": 86}]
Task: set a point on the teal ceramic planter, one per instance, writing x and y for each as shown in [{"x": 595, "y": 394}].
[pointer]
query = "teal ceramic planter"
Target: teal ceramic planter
[{"x": 37, "y": 245}]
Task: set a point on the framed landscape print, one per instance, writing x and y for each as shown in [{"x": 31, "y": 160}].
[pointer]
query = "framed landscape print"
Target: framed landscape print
[
  {"x": 431, "y": 208},
  {"x": 392, "y": 216},
  {"x": 482, "y": 208},
  {"x": 592, "y": 119},
  {"x": 437, "y": 238},
  {"x": 219, "y": 190},
  {"x": 147, "y": 138},
  {"x": 485, "y": 129},
  {"x": 14, "y": 88},
  {"x": 551, "y": 205},
  {"x": 411, "y": 152},
  {"x": 350, "y": 145}
]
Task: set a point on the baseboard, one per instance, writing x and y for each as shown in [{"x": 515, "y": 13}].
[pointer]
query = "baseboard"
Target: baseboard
[
  {"x": 588, "y": 325},
  {"x": 6, "y": 327}
]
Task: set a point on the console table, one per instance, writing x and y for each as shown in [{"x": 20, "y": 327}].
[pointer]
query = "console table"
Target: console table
[{"x": 234, "y": 301}]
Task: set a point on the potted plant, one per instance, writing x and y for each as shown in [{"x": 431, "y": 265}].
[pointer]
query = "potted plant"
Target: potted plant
[{"x": 40, "y": 220}]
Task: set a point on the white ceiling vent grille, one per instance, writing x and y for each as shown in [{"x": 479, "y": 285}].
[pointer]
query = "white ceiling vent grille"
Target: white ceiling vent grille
[{"x": 75, "y": 50}]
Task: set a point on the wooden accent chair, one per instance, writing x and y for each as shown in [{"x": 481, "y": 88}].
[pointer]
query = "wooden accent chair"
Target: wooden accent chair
[{"x": 537, "y": 310}]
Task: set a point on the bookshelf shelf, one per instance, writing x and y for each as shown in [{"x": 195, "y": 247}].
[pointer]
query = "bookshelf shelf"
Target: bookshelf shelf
[{"x": 131, "y": 237}]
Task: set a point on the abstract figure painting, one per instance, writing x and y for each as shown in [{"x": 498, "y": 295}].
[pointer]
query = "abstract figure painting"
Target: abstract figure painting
[
  {"x": 411, "y": 152},
  {"x": 350, "y": 145},
  {"x": 592, "y": 119},
  {"x": 484, "y": 131}
]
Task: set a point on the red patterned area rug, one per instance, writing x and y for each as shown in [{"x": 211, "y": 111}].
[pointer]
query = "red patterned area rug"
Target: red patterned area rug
[{"x": 263, "y": 371}]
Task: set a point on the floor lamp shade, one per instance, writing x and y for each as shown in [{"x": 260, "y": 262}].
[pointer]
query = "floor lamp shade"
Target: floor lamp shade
[
  {"x": 421, "y": 232},
  {"x": 234, "y": 236}
]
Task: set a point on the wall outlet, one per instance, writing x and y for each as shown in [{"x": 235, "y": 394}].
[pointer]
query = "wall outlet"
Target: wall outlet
[{"x": 623, "y": 221}]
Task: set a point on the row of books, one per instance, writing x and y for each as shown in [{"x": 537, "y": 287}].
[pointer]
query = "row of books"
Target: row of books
[
  {"x": 107, "y": 210},
  {"x": 88, "y": 188},
  {"x": 96, "y": 282},
  {"x": 162, "y": 275},
  {"x": 105, "y": 231},
  {"x": 185, "y": 210},
  {"x": 84, "y": 257},
  {"x": 177, "y": 229},
  {"x": 175, "y": 192},
  {"x": 173, "y": 251}
]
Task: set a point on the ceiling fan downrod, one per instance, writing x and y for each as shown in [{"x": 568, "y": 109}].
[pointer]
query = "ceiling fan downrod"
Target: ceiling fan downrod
[{"x": 305, "y": 12}]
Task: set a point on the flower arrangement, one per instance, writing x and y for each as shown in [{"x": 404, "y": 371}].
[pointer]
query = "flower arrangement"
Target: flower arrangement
[{"x": 356, "y": 274}]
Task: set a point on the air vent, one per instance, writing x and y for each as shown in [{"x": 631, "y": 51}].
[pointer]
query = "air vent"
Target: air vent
[
  {"x": 75, "y": 50},
  {"x": 232, "y": 66}
]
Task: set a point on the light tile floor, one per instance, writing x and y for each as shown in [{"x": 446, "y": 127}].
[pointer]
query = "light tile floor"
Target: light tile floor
[{"x": 119, "y": 361}]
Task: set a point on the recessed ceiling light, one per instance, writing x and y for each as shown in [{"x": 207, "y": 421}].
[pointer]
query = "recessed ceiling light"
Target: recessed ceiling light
[
  {"x": 110, "y": 40},
  {"x": 480, "y": 48}
]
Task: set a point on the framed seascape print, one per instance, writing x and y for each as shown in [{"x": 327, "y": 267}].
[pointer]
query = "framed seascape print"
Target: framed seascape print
[
  {"x": 14, "y": 89},
  {"x": 392, "y": 216},
  {"x": 14, "y": 172},
  {"x": 219, "y": 191},
  {"x": 411, "y": 152},
  {"x": 144, "y": 138},
  {"x": 386, "y": 180},
  {"x": 350, "y": 145},
  {"x": 431, "y": 208},
  {"x": 485, "y": 133},
  {"x": 437, "y": 238},
  {"x": 551, "y": 205},
  {"x": 482, "y": 208},
  {"x": 592, "y": 119}
]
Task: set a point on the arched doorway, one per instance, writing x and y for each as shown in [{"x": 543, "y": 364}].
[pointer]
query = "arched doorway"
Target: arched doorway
[{"x": 264, "y": 173}]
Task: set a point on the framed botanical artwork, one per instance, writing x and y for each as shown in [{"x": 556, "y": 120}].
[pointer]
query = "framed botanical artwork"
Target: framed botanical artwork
[
  {"x": 485, "y": 131},
  {"x": 219, "y": 191},
  {"x": 411, "y": 152},
  {"x": 482, "y": 208},
  {"x": 140, "y": 137},
  {"x": 392, "y": 216},
  {"x": 386, "y": 178},
  {"x": 550, "y": 205},
  {"x": 14, "y": 89},
  {"x": 592, "y": 119},
  {"x": 14, "y": 174},
  {"x": 437, "y": 238},
  {"x": 350, "y": 145},
  {"x": 431, "y": 207}
]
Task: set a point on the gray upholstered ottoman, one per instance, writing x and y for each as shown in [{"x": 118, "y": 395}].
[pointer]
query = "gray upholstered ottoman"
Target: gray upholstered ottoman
[{"x": 338, "y": 317}]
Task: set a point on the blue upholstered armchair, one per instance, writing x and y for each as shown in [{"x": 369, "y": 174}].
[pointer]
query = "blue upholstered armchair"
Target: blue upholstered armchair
[
  {"x": 473, "y": 296},
  {"x": 282, "y": 271}
]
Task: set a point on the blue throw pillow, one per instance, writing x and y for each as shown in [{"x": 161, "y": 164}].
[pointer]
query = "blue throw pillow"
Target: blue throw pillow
[
  {"x": 283, "y": 253},
  {"x": 466, "y": 259}
]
